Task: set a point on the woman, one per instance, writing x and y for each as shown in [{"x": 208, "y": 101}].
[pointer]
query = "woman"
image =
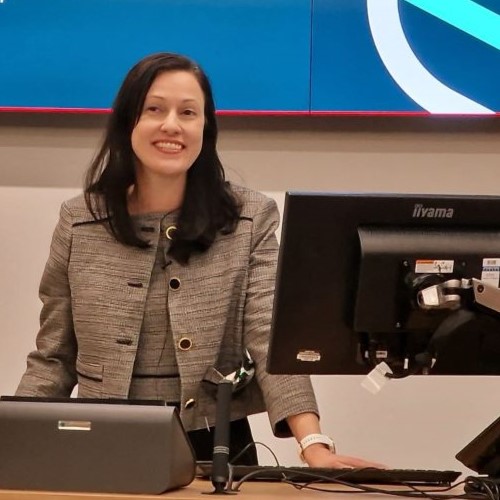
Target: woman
[{"x": 162, "y": 273}]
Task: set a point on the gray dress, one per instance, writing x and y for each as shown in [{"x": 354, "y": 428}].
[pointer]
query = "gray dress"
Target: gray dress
[{"x": 156, "y": 374}]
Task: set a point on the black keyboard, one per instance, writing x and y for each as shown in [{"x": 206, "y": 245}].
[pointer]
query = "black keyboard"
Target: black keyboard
[{"x": 325, "y": 475}]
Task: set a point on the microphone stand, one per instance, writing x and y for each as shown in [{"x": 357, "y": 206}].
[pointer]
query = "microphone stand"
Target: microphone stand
[{"x": 220, "y": 457}]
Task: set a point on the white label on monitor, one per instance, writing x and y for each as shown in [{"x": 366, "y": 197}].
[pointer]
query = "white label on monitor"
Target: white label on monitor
[
  {"x": 490, "y": 275},
  {"x": 491, "y": 262},
  {"x": 309, "y": 356},
  {"x": 434, "y": 266}
]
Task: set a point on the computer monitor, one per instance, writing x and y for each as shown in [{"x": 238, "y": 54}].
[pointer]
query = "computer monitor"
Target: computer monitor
[{"x": 408, "y": 279}]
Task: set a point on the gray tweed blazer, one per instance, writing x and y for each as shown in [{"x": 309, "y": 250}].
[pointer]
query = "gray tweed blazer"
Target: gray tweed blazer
[{"x": 94, "y": 290}]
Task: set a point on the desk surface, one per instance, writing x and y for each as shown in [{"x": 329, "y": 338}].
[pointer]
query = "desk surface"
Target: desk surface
[{"x": 196, "y": 490}]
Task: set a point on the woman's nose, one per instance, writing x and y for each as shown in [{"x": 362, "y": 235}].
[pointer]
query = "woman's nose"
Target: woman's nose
[{"x": 171, "y": 123}]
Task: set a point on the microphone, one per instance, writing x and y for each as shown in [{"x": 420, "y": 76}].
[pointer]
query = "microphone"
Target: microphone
[{"x": 220, "y": 455}]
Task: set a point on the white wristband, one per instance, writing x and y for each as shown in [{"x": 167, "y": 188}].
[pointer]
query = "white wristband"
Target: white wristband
[{"x": 313, "y": 439}]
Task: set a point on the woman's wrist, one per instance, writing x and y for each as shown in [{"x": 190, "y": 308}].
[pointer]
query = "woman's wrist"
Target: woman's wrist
[
  {"x": 315, "y": 442},
  {"x": 316, "y": 455}
]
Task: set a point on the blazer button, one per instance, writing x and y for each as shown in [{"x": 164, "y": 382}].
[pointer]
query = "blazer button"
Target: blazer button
[
  {"x": 170, "y": 231},
  {"x": 174, "y": 284},
  {"x": 190, "y": 403},
  {"x": 185, "y": 344}
]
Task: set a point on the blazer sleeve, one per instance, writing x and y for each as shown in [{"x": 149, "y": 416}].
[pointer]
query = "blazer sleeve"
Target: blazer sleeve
[
  {"x": 51, "y": 368},
  {"x": 284, "y": 395}
]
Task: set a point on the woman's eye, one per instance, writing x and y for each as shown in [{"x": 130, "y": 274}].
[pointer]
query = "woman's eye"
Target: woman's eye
[
  {"x": 152, "y": 109},
  {"x": 190, "y": 112}
]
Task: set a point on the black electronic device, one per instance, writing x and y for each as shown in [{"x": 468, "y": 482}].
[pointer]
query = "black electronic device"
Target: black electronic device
[
  {"x": 301, "y": 474},
  {"x": 107, "y": 447},
  {"x": 220, "y": 454},
  {"x": 482, "y": 454},
  {"x": 408, "y": 279}
]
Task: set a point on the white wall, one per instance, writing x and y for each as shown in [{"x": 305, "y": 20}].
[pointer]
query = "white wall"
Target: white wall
[{"x": 419, "y": 422}]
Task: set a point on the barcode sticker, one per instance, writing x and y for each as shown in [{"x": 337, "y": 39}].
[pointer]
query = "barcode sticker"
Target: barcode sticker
[{"x": 490, "y": 274}]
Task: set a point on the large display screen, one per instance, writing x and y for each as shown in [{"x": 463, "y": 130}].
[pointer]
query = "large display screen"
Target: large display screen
[
  {"x": 75, "y": 53},
  {"x": 406, "y": 56},
  {"x": 277, "y": 56}
]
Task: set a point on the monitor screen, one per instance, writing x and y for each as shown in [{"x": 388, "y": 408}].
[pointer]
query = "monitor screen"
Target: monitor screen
[{"x": 411, "y": 280}]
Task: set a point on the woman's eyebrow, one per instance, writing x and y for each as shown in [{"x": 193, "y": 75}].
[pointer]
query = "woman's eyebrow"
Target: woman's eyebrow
[{"x": 163, "y": 98}]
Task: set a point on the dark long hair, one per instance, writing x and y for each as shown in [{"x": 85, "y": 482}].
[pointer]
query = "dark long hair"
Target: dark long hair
[{"x": 209, "y": 205}]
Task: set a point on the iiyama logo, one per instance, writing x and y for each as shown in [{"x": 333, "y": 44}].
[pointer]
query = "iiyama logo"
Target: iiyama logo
[{"x": 419, "y": 211}]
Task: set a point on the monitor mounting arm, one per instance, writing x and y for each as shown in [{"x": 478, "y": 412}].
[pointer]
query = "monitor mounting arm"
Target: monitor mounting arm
[
  {"x": 449, "y": 294},
  {"x": 464, "y": 298}
]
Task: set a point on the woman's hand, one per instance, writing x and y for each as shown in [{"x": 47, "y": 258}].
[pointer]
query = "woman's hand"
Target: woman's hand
[{"x": 318, "y": 455}]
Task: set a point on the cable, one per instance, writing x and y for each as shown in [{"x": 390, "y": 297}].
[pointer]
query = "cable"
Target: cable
[
  {"x": 254, "y": 444},
  {"x": 480, "y": 488},
  {"x": 481, "y": 485},
  {"x": 412, "y": 492},
  {"x": 398, "y": 493},
  {"x": 231, "y": 486}
]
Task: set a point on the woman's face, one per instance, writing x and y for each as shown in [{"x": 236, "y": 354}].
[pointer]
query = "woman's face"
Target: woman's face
[{"x": 168, "y": 136}]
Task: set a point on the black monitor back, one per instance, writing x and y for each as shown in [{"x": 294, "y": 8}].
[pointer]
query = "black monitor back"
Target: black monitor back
[{"x": 339, "y": 272}]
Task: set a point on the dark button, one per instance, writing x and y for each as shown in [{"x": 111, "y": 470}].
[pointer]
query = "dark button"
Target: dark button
[
  {"x": 124, "y": 341},
  {"x": 174, "y": 283},
  {"x": 190, "y": 403},
  {"x": 185, "y": 344},
  {"x": 169, "y": 232}
]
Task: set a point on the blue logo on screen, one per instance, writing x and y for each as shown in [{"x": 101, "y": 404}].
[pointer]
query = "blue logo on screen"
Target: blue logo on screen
[{"x": 415, "y": 74}]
